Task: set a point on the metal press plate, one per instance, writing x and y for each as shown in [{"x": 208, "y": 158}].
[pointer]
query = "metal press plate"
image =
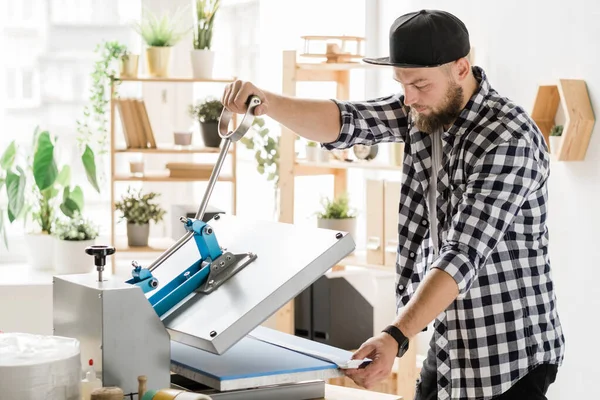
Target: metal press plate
[{"x": 289, "y": 259}]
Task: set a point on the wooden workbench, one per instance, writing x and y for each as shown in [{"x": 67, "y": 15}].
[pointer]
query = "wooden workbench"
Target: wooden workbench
[{"x": 334, "y": 392}]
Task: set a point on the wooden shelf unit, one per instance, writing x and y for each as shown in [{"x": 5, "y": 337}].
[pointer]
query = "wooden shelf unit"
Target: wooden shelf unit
[
  {"x": 174, "y": 79},
  {"x": 161, "y": 149},
  {"x": 572, "y": 95},
  {"x": 290, "y": 167}
]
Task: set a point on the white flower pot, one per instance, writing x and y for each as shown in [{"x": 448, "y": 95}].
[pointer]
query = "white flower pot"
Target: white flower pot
[
  {"x": 555, "y": 145},
  {"x": 339, "y": 225},
  {"x": 312, "y": 153},
  {"x": 324, "y": 155},
  {"x": 203, "y": 62},
  {"x": 70, "y": 257},
  {"x": 40, "y": 250}
]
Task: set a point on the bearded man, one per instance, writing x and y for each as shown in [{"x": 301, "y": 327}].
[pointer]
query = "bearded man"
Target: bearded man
[{"x": 473, "y": 241}]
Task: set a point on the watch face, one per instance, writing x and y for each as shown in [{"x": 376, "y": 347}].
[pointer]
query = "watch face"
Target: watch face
[{"x": 364, "y": 152}]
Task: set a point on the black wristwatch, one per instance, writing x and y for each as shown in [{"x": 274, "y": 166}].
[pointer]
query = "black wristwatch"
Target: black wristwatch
[{"x": 399, "y": 337}]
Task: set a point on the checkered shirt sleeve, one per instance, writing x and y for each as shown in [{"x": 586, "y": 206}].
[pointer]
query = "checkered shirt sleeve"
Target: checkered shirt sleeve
[
  {"x": 369, "y": 122},
  {"x": 500, "y": 182}
]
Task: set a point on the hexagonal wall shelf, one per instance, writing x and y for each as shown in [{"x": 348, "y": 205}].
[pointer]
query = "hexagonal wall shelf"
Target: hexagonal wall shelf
[{"x": 573, "y": 96}]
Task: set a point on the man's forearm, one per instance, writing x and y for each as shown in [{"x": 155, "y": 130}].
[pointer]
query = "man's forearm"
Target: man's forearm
[
  {"x": 437, "y": 291},
  {"x": 315, "y": 119}
]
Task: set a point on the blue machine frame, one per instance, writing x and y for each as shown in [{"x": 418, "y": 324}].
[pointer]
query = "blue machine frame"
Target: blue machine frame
[{"x": 190, "y": 279}]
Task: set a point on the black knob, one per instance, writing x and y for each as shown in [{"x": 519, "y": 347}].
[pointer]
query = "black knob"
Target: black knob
[{"x": 100, "y": 252}]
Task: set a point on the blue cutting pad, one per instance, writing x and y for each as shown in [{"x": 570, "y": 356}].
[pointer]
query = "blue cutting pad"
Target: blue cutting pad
[{"x": 251, "y": 358}]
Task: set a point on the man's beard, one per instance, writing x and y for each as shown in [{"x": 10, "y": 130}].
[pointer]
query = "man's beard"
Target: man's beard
[{"x": 450, "y": 110}]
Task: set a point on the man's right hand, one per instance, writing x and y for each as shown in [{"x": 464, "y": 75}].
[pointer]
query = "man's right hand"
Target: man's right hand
[{"x": 236, "y": 95}]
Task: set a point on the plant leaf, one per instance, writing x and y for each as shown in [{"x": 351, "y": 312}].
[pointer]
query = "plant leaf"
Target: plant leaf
[
  {"x": 89, "y": 163},
  {"x": 8, "y": 157},
  {"x": 15, "y": 190},
  {"x": 44, "y": 166},
  {"x": 64, "y": 177},
  {"x": 68, "y": 207},
  {"x": 77, "y": 196}
]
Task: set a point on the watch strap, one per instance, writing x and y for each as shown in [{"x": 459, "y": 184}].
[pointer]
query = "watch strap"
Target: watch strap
[{"x": 399, "y": 337}]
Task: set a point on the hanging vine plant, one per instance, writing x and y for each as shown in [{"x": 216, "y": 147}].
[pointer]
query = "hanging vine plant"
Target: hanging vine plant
[{"x": 92, "y": 130}]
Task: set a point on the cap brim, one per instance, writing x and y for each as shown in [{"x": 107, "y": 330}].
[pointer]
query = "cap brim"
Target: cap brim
[{"x": 386, "y": 61}]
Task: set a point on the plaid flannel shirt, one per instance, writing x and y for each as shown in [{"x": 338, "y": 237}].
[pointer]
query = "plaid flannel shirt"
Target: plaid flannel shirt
[{"x": 491, "y": 216}]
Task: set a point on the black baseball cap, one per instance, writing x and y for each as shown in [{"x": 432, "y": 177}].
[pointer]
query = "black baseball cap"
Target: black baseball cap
[{"x": 426, "y": 38}]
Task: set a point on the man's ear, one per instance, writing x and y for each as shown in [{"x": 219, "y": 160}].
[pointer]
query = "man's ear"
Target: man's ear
[{"x": 462, "y": 67}]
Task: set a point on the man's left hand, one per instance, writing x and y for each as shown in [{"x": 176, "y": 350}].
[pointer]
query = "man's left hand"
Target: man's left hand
[{"x": 382, "y": 350}]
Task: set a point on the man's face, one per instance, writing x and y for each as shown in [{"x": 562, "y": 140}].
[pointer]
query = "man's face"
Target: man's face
[{"x": 434, "y": 97}]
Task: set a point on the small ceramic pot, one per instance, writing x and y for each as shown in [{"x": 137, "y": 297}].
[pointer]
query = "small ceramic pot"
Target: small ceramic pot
[
  {"x": 137, "y": 235},
  {"x": 182, "y": 138},
  {"x": 136, "y": 167}
]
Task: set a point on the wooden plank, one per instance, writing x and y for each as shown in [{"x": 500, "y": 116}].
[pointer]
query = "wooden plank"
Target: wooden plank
[
  {"x": 333, "y": 164},
  {"x": 316, "y": 75},
  {"x": 545, "y": 107},
  {"x": 284, "y": 318},
  {"x": 375, "y": 221},
  {"x": 333, "y": 66},
  {"x": 160, "y": 176},
  {"x": 407, "y": 372},
  {"x": 112, "y": 171},
  {"x": 172, "y": 149},
  {"x": 309, "y": 170},
  {"x": 181, "y": 79},
  {"x": 580, "y": 119}
]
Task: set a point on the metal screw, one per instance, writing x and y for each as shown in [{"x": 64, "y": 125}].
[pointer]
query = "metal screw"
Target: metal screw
[
  {"x": 154, "y": 283},
  {"x": 217, "y": 216},
  {"x": 208, "y": 230},
  {"x": 211, "y": 282},
  {"x": 213, "y": 333},
  {"x": 338, "y": 235},
  {"x": 228, "y": 258},
  {"x": 222, "y": 263},
  {"x": 186, "y": 275}
]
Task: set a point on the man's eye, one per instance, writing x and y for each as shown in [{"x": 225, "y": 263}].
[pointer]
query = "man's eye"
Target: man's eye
[{"x": 422, "y": 87}]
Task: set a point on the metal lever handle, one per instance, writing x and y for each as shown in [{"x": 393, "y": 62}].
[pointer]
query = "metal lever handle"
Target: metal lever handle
[
  {"x": 224, "y": 120},
  {"x": 229, "y": 137},
  {"x": 247, "y": 121}
]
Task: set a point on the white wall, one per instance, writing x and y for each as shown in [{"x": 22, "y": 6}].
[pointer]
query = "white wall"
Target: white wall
[{"x": 521, "y": 44}]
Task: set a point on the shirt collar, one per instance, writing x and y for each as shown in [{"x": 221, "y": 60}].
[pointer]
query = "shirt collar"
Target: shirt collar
[{"x": 469, "y": 114}]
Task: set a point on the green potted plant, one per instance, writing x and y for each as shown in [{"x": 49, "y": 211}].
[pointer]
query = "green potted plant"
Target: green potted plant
[
  {"x": 129, "y": 64},
  {"x": 35, "y": 188},
  {"x": 203, "y": 57},
  {"x": 207, "y": 113},
  {"x": 72, "y": 236},
  {"x": 337, "y": 215},
  {"x": 138, "y": 210},
  {"x": 92, "y": 128},
  {"x": 160, "y": 33},
  {"x": 555, "y": 139}
]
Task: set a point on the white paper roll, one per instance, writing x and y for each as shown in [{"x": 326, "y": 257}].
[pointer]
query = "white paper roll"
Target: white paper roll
[{"x": 34, "y": 367}]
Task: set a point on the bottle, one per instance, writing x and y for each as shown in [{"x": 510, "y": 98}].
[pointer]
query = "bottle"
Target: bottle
[{"x": 90, "y": 382}]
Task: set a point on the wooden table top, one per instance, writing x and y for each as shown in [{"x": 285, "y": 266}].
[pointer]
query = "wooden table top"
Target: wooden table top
[{"x": 334, "y": 392}]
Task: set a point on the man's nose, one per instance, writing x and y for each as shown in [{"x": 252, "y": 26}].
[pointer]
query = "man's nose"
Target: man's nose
[{"x": 410, "y": 97}]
